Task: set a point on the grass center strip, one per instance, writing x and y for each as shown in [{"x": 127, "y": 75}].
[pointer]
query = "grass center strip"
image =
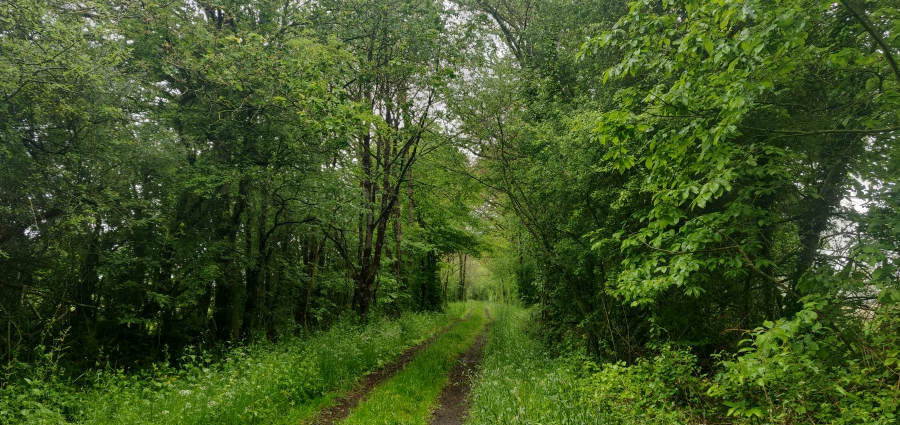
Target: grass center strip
[
  {"x": 407, "y": 397},
  {"x": 349, "y": 400}
]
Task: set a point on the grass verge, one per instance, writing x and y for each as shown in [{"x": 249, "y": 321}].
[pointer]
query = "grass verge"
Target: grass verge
[
  {"x": 521, "y": 383},
  {"x": 407, "y": 397}
]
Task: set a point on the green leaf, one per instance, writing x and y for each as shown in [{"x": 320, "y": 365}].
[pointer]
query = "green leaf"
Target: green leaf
[
  {"x": 709, "y": 46},
  {"x": 872, "y": 83}
]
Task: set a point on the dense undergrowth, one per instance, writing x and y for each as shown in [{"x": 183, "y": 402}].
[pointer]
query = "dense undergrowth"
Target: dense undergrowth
[
  {"x": 264, "y": 383},
  {"x": 523, "y": 383},
  {"x": 794, "y": 371}
]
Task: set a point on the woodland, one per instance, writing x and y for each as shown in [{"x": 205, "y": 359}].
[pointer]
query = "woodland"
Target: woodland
[{"x": 670, "y": 211}]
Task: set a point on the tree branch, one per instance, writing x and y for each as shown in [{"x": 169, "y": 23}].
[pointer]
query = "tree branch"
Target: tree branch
[
  {"x": 809, "y": 133},
  {"x": 864, "y": 21}
]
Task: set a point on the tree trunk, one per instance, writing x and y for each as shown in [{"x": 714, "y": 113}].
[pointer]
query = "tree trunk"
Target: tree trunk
[
  {"x": 463, "y": 258},
  {"x": 257, "y": 265},
  {"x": 227, "y": 315},
  {"x": 313, "y": 265}
]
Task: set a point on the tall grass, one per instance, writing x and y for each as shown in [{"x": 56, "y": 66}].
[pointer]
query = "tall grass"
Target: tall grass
[
  {"x": 520, "y": 383},
  {"x": 264, "y": 383}
]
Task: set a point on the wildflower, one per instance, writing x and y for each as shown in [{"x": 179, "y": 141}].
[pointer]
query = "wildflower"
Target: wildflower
[
  {"x": 165, "y": 412},
  {"x": 185, "y": 392}
]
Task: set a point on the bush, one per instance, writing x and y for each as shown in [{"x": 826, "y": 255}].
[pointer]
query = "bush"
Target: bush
[
  {"x": 664, "y": 389},
  {"x": 804, "y": 371}
]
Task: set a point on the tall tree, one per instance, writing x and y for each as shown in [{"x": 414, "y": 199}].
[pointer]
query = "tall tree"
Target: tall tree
[
  {"x": 258, "y": 111},
  {"x": 524, "y": 117},
  {"x": 63, "y": 130},
  {"x": 732, "y": 90},
  {"x": 404, "y": 52}
]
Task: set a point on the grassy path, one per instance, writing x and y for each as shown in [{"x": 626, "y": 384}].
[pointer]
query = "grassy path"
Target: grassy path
[
  {"x": 334, "y": 406},
  {"x": 409, "y": 395},
  {"x": 344, "y": 404}
]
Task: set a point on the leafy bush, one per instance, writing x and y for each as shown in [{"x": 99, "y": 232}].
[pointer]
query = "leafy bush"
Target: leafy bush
[
  {"x": 791, "y": 371},
  {"x": 522, "y": 383},
  {"x": 663, "y": 389},
  {"x": 41, "y": 395},
  {"x": 803, "y": 370}
]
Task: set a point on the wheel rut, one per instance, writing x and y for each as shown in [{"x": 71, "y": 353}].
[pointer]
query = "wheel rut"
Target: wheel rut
[
  {"x": 453, "y": 401},
  {"x": 361, "y": 390}
]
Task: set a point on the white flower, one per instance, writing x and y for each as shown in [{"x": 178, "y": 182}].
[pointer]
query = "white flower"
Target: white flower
[
  {"x": 185, "y": 392},
  {"x": 165, "y": 412}
]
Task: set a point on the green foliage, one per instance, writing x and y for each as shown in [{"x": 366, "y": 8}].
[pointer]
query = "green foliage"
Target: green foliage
[
  {"x": 732, "y": 159},
  {"x": 528, "y": 121},
  {"x": 182, "y": 173},
  {"x": 663, "y": 389},
  {"x": 814, "y": 369},
  {"x": 730, "y": 154},
  {"x": 656, "y": 178},
  {"x": 522, "y": 383},
  {"x": 43, "y": 395}
]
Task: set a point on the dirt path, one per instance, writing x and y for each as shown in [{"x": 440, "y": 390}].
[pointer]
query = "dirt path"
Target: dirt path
[
  {"x": 361, "y": 390},
  {"x": 453, "y": 402}
]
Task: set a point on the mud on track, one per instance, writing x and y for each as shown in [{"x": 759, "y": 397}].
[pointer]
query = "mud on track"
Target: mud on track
[
  {"x": 453, "y": 402},
  {"x": 361, "y": 390}
]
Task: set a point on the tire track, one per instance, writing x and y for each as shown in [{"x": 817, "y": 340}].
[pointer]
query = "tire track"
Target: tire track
[
  {"x": 453, "y": 402},
  {"x": 360, "y": 391}
]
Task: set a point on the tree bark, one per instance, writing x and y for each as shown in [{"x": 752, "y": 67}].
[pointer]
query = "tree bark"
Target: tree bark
[{"x": 313, "y": 265}]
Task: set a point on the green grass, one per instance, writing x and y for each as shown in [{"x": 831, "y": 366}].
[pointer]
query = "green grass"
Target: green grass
[
  {"x": 521, "y": 383},
  {"x": 281, "y": 383},
  {"x": 407, "y": 397}
]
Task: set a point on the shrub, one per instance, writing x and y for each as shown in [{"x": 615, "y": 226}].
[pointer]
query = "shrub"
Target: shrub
[{"x": 803, "y": 370}]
